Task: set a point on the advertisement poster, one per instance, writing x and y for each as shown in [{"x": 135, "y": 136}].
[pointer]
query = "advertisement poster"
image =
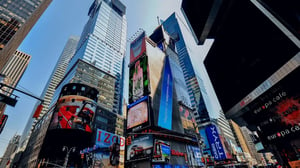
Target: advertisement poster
[
  {"x": 165, "y": 108},
  {"x": 138, "y": 113},
  {"x": 277, "y": 111},
  {"x": 194, "y": 156},
  {"x": 162, "y": 151},
  {"x": 110, "y": 150},
  {"x": 213, "y": 137},
  {"x": 140, "y": 147},
  {"x": 205, "y": 145},
  {"x": 138, "y": 80},
  {"x": 187, "y": 120},
  {"x": 74, "y": 113},
  {"x": 137, "y": 47}
]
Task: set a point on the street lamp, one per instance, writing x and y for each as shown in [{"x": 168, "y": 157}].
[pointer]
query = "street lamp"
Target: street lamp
[{"x": 65, "y": 148}]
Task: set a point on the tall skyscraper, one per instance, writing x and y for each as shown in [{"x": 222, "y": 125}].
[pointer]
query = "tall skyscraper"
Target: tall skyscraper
[
  {"x": 205, "y": 112},
  {"x": 13, "y": 71},
  {"x": 172, "y": 26},
  {"x": 102, "y": 45},
  {"x": 17, "y": 17},
  {"x": 57, "y": 75},
  {"x": 11, "y": 148}
]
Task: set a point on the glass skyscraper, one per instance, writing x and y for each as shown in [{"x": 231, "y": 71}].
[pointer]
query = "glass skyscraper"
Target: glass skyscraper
[
  {"x": 17, "y": 17},
  {"x": 47, "y": 94},
  {"x": 171, "y": 25},
  {"x": 102, "y": 45},
  {"x": 195, "y": 84}
]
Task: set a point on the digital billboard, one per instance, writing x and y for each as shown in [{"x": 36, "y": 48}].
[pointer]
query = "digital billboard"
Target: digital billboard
[
  {"x": 276, "y": 113},
  {"x": 110, "y": 150},
  {"x": 137, "y": 47},
  {"x": 216, "y": 146},
  {"x": 205, "y": 145},
  {"x": 140, "y": 147},
  {"x": 187, "y": 120},
  {"x": 74, "y": 112},
  {"x": 162, "y": 151},
  {"x": 166, "y": 99},
  {"x": 138, "y": 79},
  {"x": 138, "y": 114},
  {"x": 194, "y": 156}
]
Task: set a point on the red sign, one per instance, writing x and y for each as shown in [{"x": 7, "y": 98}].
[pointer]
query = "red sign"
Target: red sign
[{"x": 177, "y": 153}]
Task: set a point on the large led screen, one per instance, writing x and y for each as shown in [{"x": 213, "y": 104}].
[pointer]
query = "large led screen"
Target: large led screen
[
  {"x": 194, "y": 156},
  {"x": 138, "y": 114},
  {"x": 187, "y": 120},
  {"x": 140, "y": 147},
  {"x": 137, "y": 47},
  {"x": 74, "y": 112},
  {"x": 138, "y": 79},
  {"x": 214, "y": 139},
  {"x": 276, "y": 113},
  {"x": 110, "y": 150},
  {"x": 162, "y": 151},
  {"x": 166, "y": 99}
]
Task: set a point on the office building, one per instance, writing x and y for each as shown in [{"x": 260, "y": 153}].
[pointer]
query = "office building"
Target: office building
[
  {"x": 160, "y": 115},
  {"x": 17, "y": 17},
  {"x": 89, "y": 93},
  {"x": 103, "y": 44},
  {"x": 195, "y": 84},
  {"x": 13, "y": 71},
  {"x": 10, "y": 149},
  {"x": 47, "y": 94}
]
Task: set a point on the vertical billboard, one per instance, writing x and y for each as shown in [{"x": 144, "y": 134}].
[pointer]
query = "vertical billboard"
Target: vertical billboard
[
  {"x": 194, "y": 156},
  {"x": 137, "y": 47},
  {"x": 109, "y": 150},
  {"x": 162, "y": 151},
  {"x": 216, "y": 146},
  {"x": 138, "y": 114},
  {"x": 138, "y": 79},
  {"x": 165, "y": 108},
  {"x": 187, "y": 120},
  {"x": 74, "y": 112},
  {"x": 140, "y": 147}
]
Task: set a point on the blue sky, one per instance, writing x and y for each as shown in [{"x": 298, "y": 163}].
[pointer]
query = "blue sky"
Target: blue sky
[{"x": 46, "y": 41}]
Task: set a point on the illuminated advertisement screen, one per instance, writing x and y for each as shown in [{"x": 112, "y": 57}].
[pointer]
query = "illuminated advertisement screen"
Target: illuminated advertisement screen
[
  {"x": 110, "y": 150},
  {"x": 216, "y": 146},
  {"x": 162, "y": 151},
  {"x": 138, "y": 79},
  {"x": 137, "y": 113},
  {"x": 137, "y": 47},
  {"x": 74, "y": 112},
  {"x": 166, "y": 99},
  {"x": 140, "y": 147},
  {"x": 206, "y": 146},
  {"x": 276, "y": 113},
  {"x": 194, "y": 156},
  {"x": 187, "y": 120}
]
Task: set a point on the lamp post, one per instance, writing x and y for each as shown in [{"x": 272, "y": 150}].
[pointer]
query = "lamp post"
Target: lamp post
[{"x": 65, "y": 148}]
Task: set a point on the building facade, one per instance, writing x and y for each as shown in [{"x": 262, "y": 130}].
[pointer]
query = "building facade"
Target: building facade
[
  {"x": 195, "y": 84},
  {"x": 56, "y": 76},
  {"x": 11, "y": 148},
  {"x": 103, "y": 43},
  {"x": 17, "y": 17},
  {"x": 13, "y": 71}
]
